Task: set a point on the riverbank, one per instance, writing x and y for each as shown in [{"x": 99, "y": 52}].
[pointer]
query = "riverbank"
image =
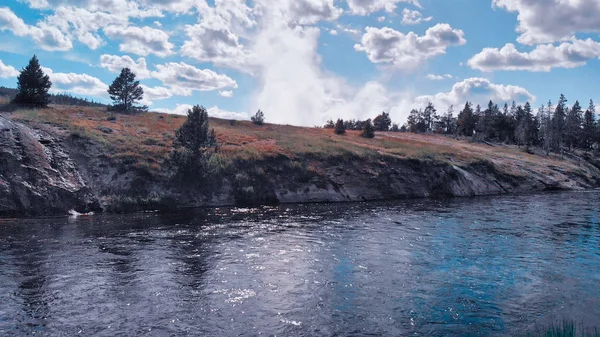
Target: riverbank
[{"x": 63, "y": 158}]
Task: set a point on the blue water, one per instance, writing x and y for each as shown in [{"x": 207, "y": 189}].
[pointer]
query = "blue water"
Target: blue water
[{"x": 483, "y": 266}]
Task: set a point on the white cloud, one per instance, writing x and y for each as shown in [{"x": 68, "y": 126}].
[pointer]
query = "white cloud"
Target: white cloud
[
  {"x": 381, "y": 19},
  {"x": 366, "y": 7},
  {"x": 224, "y": 114},
  {"x": 152, "y": 94},
  {"x": 81, "y": 84},
  {"x": 116, "y": 63},
  {"x": 226, "y": 93},
  {"x": 477, "y": 89},
  {"x": 7, "y": 71},
  {"x": 439, "y": 77},
  {"x": 10, "y": 21},
  {"x": 333, "y": 32},
  {"x": 386, "y": 45},
  {"x": 543, "y": 21},
  {"x": 83, "y": 24},
  {"x": 182, "y": 109},
  {"x": 183, "y": 77},
  {"x": 215, "y": 38},
  {"x": 410, "y": 17},
  {"x": 141, "y": 41},
  {"x": 46, "y": 36},
  {"x": 543, "y": 58}
]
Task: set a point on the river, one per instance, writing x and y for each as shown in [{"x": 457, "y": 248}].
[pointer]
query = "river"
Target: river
[{"x": 480, "y": 266}]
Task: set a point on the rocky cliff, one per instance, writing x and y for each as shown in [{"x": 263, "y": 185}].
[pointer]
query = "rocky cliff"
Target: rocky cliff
[{"x": 47, "y": 170}]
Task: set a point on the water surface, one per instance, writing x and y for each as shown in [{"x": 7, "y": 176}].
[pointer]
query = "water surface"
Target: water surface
[{"x": 484, "y": 266}]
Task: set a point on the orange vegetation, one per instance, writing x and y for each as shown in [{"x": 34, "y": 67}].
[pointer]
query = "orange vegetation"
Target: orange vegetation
[{"x": 146, "y": 140}]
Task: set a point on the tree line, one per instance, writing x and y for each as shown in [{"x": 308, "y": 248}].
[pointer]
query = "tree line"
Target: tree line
[{"x": 555, "y": 128}]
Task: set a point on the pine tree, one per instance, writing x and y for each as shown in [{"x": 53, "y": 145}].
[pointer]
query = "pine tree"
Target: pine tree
[
  {"x": 382, "y": 122},
  {"x": 369, "y": 130},
  {"x": 340, "y": 129},
  {"x": 466, "y": 121},
  {"x": 589, "y": 127},
  {"x": 33, "y": 85},
  {"x": 558, "y": 123},
  {"x": 573, "y": 122},
  {"x": 194, "y": 133},
  {"x": 125, "y": 91}
]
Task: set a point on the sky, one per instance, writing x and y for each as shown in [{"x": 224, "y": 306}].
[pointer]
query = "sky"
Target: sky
[{"x": 303, "y": 62}]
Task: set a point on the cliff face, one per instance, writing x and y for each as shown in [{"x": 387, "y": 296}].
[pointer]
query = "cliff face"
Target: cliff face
[
  {"x": 46, "y": 171},
  {"x": 37, "y": 175}
]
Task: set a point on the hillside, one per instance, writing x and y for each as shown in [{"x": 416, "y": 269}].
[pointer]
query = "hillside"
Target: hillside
[{"x": 66, "y": 157}]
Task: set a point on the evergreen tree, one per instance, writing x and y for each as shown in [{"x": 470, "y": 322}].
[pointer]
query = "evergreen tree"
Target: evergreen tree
[
  {"x": 548, "y": 128},
  {"x": 369, "y": 130},
  {"x": 573, "y": 122},
  {"x": 448, "y": 122},
  {"x": 340, "y": 129},
  {"x": 382, "y": 122},
  {"x": 192, "y": 141},
  {"x": 126, "y": 92},
  {"x": 33, "y": 85},
  {"x": 558, "y": 123},
  {"x": 258, "y": 118},
  {"x": 466, "y": 120},
  {"x": 329, "y": 124},
  {"x": 590, "y": 127},
  {"x": 429, "y": 117}
]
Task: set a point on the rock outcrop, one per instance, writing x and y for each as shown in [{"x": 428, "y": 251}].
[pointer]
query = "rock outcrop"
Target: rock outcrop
[{"x": 37, "y": 175}]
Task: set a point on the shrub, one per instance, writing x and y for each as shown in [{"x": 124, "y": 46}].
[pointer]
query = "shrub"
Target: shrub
[
  {"x": 340, "y": 129},
  {"x": 258, "y": 118},
  {"x": 368, "y": 131}
]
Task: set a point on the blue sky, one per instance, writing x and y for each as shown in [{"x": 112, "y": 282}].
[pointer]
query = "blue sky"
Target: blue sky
[{"x": 305, "y": 61}]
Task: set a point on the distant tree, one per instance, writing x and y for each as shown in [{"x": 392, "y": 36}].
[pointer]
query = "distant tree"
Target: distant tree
[
  {"x": 369, "y": 130},
  {"x": 429, "y": 117},
  {"x": 33, "y": 85},
  {"x": 415, "y": 121},
  {"x": 340, "y": 129},
  {"x": 547, "y": 128},
  {"x": 448, "y": 122},
  {"x": 558, "y": 123},
  {"x": 329, "y": 124},
  {"x": 590, "y": 127},
  {"x": 126, "y": 92},
  {"x": 466, "y": 120},
  {"x": 395, "y": 128},
  {"x": 382, "y": 122},
  {"x": 193, "y": 141},
  {"x": 573, "y": 123},
  {"x": 258, "y": 118}
]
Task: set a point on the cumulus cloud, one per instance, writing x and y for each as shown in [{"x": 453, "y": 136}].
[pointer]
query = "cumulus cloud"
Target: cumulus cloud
[
  {"x": 543, "y": 58},
  {"x": 183, "y": 77},
  {"x": 152, "y": 94},
  {"x": 386, "y": 45},
  {"x": 366, "y": 7},
  {"x": 438, "y": 77},
  {"x": 478, "y": 90},
  {"x": 410, "y": 17},
  {"x": 7, "y": 71},
  {"x": 46, "y": 36},
  {"x": 115, "y": 63},
  {"x": 83, "y": 24},
  {"x": 81, "y": 84},
  {"x": 141, "y": 40},
  {"x": 543, "y": 21}
]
